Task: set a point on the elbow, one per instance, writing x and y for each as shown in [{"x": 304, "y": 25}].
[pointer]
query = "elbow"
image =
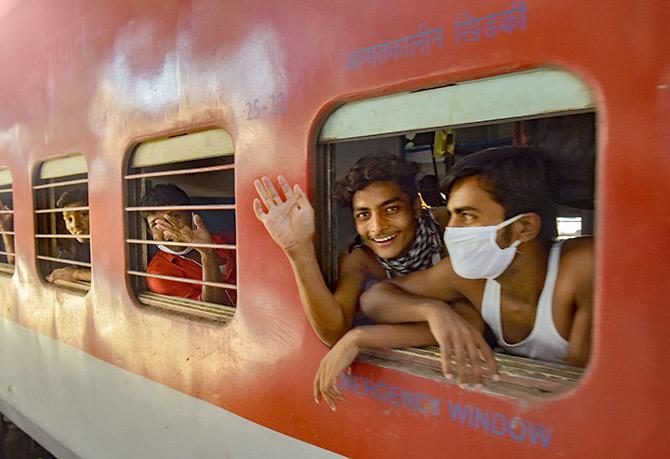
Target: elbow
[
  {"x": 368, "y": 303},
  {"x": 329, "y": 337}
]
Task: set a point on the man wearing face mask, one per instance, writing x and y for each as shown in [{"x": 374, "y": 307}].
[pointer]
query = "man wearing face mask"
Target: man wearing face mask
[
  {"x": 535, "y": 294},
  {"x": 197, "y": 263}
]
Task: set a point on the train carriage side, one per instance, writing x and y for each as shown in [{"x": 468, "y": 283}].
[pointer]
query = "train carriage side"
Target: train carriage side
[{"x": 212, "y": 95}]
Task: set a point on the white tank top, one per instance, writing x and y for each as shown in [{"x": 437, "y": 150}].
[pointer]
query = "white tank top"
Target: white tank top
[{"x": 543, "y": 342}]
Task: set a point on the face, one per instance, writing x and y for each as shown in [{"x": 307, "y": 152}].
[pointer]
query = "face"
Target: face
[
  {"x": 470, "y": 205},
  {"x": 385, "y": 219},
  {"x": 180, "y": 217},
  {"x": 76, "y": 221}
]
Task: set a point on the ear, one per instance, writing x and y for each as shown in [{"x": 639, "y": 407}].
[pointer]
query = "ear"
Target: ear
[{"x": 527, "y": 228}]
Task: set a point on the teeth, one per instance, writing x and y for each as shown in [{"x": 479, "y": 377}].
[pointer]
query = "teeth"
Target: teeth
[{"x": 384, "y": 239}]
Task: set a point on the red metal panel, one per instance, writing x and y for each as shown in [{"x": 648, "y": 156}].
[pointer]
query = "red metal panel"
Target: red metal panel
[{"x": 98, "y": 77}]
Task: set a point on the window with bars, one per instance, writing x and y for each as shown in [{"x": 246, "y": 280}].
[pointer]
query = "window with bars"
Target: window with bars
[
  {"x": 62, "y": 222},
  {"x": 6, "y": 222},
  {"x": 180, "y": 216}
]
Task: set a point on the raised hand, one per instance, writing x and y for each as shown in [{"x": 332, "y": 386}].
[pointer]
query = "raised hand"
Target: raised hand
[
  {"x": 290, "y": 222},
  {"x": 177, "y": 231}
]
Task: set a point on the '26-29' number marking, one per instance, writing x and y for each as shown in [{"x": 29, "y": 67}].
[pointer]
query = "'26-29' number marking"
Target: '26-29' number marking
[{"x": 271, "y": 105}]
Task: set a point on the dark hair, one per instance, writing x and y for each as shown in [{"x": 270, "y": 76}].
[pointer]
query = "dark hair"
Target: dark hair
[
  {"x": 370, "y": 169},
  {"x": 72, "y": 197},
  {"x": 164, "y": 195},
  {"x": 520, "y": 179}
]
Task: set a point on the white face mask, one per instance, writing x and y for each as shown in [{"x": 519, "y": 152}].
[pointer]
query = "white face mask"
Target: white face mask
[
  {"x": 174, "y": 252},
  {"x": 474, "y": 252}
]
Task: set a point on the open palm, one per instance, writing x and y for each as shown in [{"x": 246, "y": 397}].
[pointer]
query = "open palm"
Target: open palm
[{"x": 289, "y": 221}]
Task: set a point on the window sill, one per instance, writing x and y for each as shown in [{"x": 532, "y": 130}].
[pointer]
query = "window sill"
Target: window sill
[
  {"x": 520, "y": 378},
  {"x": 187, "y": 307}
]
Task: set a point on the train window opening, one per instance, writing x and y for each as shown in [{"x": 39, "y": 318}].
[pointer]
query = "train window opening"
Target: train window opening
[
  {"x": 62, "y": 222},
  {"x": 452, "y": 124},
  {"x": 7, "y": 256},
  {"x": 181, "y": 229}
]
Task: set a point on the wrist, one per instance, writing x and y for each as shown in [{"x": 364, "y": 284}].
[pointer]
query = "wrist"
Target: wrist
[
  {"x": 300, "y": 250},
  {"x": 355, "y": 337},
  {"x": 433, "y": 309}
]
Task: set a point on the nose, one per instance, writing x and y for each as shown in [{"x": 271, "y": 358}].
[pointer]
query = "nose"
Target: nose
[{"x": 377, "y": 224}]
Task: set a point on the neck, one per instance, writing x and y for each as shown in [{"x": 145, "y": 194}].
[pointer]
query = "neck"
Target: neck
[{"x": 525, "y": 277}]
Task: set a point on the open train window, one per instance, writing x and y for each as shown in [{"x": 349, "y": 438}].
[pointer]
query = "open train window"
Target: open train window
[
  {"x": 546, "y": 108},
  {"x": 6, "y": 222},
  {"x": 181, "y": 224},
  {"x": 62, "y": 222}
]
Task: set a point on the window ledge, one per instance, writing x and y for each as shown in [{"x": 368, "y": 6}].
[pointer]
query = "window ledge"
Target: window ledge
[
  {"x": 187, "y": 307},
  {"x": 520, "y": 378}
]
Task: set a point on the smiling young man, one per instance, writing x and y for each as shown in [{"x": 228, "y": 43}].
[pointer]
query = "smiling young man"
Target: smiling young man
[
  {"x": 199, "y": 263},
  {"x": 534, "y": 293},
  {"x": 395, "y": 237}
]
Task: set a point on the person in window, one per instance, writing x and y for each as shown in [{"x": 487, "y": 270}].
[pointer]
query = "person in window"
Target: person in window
[
  {"x": 534, "y": 293},
  {"x": 199, "y": 263},
  {"x": 395, "y": 237},
  {"x": 79, "y": 249},
  {"x": 7, "y": 225}
]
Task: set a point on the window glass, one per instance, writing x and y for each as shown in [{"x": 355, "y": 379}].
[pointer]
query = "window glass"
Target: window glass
[
  {"x": 181, "y": 224},
  {"x": 6, "y": 222},
  {"x": 437, "y": 127},
  {"x": 62, "y": 222}
]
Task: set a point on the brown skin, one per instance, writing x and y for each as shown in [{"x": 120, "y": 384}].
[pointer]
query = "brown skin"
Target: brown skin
[
  {"x": 179, "y": 226},
  {"x": 386, "y": 221},
  {"x": 419, "y": 307},
  {"x": 521, "y": 284},
  {"x": 77, "y": 224},
  {"x": 380, "y": 211}
]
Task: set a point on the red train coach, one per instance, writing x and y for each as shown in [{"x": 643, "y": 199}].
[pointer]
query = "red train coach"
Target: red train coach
[{"x": 109, "y": 98}]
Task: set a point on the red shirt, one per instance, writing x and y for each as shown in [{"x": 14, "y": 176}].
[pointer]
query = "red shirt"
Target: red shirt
[{"x": 167, "y": 264}]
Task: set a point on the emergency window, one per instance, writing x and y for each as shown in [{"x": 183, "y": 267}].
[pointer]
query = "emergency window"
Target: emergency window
[
  {"x": 6, "y": 222},
  {"x": 62, "y": 222},
  {"x": 548, "y": 109},
  {"x": 180, "y": 209}
]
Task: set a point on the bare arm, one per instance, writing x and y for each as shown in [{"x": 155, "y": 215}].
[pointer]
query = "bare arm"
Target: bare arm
[
  {"x": 70, "y": 274},
  {"x": 420, "y": 297},
  {"x": 411, "y": 298},
  {"x": 290, "y": 222},
  {"x": 209, "y": 259},
  {"x": 347, "y": 349},
  {"x": 582, "y": 323}
]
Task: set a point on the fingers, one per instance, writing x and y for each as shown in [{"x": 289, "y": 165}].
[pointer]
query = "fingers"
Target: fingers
[
  {"x": 445, "y": 351},
  {"x": 473, "y": 357},
  {"x": 259, "y": 210},
  {"x": 199, "y": 223},
  {"x": 271, "y": 191},
  {"x": 286, "y": 188},
  {"x": 489, "y": 357}
]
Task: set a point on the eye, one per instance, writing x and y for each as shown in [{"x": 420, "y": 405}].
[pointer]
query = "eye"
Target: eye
[
  {"x": 363, "y": 215},
  {"x": 467, "y": 217}
]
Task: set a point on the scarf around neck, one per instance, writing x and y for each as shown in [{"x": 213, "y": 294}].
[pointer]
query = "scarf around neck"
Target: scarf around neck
[{"x": 426, "y": 247}]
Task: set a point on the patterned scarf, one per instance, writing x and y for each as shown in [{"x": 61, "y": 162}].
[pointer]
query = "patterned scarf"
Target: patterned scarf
[{"x": 427, "y": 243}]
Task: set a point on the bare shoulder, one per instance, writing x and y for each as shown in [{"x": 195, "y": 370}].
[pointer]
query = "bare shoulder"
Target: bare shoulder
[
  {"x": 360, "y": 261},
  {"x": 579, "y": 253},
  {"x": 577, "y": 268}
]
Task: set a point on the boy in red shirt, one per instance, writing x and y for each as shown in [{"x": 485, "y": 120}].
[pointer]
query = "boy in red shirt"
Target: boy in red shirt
[{"x": 197, "y": 263}]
